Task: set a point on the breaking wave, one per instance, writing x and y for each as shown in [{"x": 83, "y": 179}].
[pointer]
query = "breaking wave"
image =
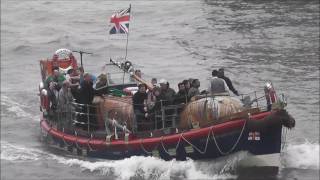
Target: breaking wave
[
  {"x": 146, "y": 168},
  {"x": 133, "y": 167},
  {"x": 301, "y": 156}
]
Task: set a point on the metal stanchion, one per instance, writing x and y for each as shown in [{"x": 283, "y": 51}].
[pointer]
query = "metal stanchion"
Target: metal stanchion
[
  {"x": 255, "y": 94},
  {"x": 88, "y": 118},
  {"x": 162, "y": 115}
]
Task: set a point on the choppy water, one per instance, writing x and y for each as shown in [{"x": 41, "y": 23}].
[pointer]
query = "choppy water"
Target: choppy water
[{"x": 254, "y": 40}]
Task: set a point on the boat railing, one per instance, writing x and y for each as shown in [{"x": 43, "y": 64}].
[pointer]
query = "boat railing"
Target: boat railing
[
  {"x": 84, "y": 116},
  {"x": 167, "y": 116},
  {"x": 255, "y": 100},
  {"x": 75, "y": 115}
]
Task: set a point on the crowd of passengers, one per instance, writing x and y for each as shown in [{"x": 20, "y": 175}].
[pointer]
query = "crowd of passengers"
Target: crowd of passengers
[
  {"x": 147, "y": 103},
  {"x": 80, "y": 87},
  {"x": 74, "y": 86}
]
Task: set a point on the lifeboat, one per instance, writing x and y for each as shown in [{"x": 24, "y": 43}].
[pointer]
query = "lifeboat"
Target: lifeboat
[{"x": 207, "y": 127}]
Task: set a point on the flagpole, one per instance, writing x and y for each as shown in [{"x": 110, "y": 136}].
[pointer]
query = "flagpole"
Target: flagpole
[{"x": 125, "y": 58}]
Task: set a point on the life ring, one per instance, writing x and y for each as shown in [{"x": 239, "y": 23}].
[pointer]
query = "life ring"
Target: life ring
[{"x": 63, "y": 53}]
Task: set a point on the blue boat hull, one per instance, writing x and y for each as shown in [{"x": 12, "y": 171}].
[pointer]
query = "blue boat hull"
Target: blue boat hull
[{"x": 267, "y": 141}]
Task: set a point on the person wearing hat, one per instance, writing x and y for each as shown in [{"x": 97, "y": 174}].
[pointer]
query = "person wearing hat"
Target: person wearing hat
[
  {"x": 227, "y": 80},
  {"x": 167, "y": 94}
]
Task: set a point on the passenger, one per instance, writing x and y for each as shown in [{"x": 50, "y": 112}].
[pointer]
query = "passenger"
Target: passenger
[
  {"x": 138, "y": 73},
  {"x": 187, "y": 85},
  {"x": 102, "y": 81},
  {"x": 72, "y": 77},
  {"x": 194, "y": 90},
  {"x": 101, "y": 85},
  {"x": 75, "y": 74},
  {"x": 57, "y": 78},
  {"x": 139, "y": 98},
  {"x": 154, "y": 105},
  {"x": 86, "y": 90},
  {"x": 53, "y": 96},
  {"x": 167, "y": 94},
  {"x": 228, "y": 81},
  {"x": 154, "y": 82},
  {"x": 81, "y": 77},
  {"x": 138, "y": 101},
  {"x": 190, "y": 81},
  {"x": 153, "y": 98},
  {"x": 81, "y": 74},
  {"x": 65, "y": 99},
  {"x": 86, "y": 96},
  {"x": 93, "y": 79},
  {"x": 217, "y": 85},
  {"x": 181, "y": 96},
  {"x": 68, "y": 75}
]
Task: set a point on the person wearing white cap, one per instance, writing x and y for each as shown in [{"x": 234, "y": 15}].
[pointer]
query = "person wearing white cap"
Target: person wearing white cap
[
  {"x": 163, "y": 81},
  {"x": 167, "y": 94}
]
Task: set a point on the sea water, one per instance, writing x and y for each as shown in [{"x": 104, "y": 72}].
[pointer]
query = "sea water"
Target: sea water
[{"x": 255, "y": 41}]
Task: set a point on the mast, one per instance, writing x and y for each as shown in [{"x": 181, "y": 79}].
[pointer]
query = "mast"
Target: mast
[
  {"x": 149, "y": 85},
  {"x": 82, "y": 52}
]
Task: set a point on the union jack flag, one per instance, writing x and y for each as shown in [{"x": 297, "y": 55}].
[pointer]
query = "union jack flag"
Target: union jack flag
[{"x": 121, "y": 21}]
